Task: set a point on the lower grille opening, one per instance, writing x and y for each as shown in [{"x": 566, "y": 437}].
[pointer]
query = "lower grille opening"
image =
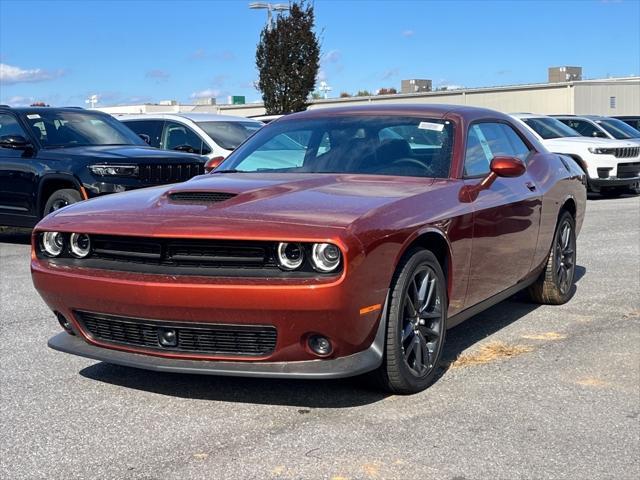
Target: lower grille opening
[{"x": 210, "y": 339}]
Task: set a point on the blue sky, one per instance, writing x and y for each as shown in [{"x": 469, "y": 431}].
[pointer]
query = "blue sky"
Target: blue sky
[{"x": 144, "y": 51}]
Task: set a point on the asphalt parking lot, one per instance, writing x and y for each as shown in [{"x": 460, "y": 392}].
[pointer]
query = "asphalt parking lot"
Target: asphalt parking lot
[{"x": 565, "y": 405}]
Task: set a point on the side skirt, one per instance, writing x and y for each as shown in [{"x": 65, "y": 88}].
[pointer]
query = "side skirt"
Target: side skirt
[{"x": 458, "y": 318}]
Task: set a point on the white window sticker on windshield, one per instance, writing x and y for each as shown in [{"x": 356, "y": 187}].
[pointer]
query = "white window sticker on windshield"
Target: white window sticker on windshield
[
  {"x": 438, "y": 127},
  {"x": 33, "y": 116}
]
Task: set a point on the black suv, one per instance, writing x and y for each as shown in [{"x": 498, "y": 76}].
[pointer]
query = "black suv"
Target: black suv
[{"x": 51, "y": 157}]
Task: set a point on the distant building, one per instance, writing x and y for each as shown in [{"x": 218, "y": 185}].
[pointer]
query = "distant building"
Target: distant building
[
  {"x": 564, "y": 74},
  {"x": 205, "y": 101},
  {"x": 415, "y": 85}
]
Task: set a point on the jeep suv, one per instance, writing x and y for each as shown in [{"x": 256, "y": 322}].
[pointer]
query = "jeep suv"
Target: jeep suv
[
  {"x": 612, "y": 166},
  {"x": 51, "y": 157}
]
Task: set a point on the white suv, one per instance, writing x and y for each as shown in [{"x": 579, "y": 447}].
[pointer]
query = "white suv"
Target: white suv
[
  {"x": 203, "y": 133},
  {"x": 612, "y": 166}
]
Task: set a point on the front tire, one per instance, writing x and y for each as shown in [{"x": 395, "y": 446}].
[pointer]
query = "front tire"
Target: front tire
[
  {"x": 416, "y": 324},
  {"x": 61, "y": 198},
  {"x": 554, "y": 286}
]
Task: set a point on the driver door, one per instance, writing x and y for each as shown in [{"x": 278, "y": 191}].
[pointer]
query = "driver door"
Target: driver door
[{"x": 506, "y": 216}]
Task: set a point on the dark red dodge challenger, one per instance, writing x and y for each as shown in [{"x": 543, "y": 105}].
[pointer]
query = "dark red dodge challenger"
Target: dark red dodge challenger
[{"x": 332, "y": 243}]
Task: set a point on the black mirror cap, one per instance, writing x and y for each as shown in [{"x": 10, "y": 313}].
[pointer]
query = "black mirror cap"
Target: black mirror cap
[{"x": 16, "y": 142}]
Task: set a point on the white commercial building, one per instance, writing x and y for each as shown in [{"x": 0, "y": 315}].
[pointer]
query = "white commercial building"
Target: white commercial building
[{"x": 610, "y": 96}]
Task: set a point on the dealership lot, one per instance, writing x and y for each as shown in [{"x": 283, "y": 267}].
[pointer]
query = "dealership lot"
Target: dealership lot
[{"x": 566, "y": 407}]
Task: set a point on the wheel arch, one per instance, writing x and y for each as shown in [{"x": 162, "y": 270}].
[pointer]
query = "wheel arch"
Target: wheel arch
[
  {"x": 569, "y": 205},
  {"x": 51, "y": 183},
  {"x": 436, "y": 241}
]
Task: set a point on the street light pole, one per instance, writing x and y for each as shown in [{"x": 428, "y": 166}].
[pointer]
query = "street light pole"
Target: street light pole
[{"x": 270, "y": 8}]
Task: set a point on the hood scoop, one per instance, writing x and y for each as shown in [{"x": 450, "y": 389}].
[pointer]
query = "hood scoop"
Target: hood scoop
[{"x": 200, "y": 197}]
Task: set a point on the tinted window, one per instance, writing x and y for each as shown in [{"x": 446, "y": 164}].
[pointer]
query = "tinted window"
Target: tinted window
[
  {"x": 618, "y": 129},
  {"x": 373, "y": 145},
  {"x": 548, "y": 127},
  {"x": 56, "y": 128},
  {"x": 229, "y": 135},
  {"x": 152, "y": 128},
  {"x": 180, "y": 137},
  {"x": 9, "y": 126},
  {"x": 488, "y": 140},
  {"x": 584, "y": 128}
]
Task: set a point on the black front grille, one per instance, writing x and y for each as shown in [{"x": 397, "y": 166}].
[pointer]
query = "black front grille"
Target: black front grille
[
  {"x": 629, "y": 170},
  {"x": 169, "y": 172},
  {"x": 184, "y": 253},
  {"x": 211, "y": 339},
  {"x": 626, "y": 152},
  {"x": 200, "y": 197}
]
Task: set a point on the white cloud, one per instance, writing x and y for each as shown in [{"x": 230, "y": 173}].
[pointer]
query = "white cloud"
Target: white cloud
[
  {"x": 10, "y": 74},
  {"x": 408, "y": 33},
  {"x": 332, "y": 56},
  {"x": 209, "y": 92},
  {"x": 19, "y": 101}
]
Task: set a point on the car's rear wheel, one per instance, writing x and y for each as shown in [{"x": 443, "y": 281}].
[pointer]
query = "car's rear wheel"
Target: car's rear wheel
[
  {"x": 555, "y": 284},
  {"x": 61, "y": 198},
  {"x": 416, "y": 324}
]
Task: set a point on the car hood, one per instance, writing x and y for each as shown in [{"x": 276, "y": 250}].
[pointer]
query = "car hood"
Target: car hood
[
  {"x": 123, "y": 153},
  {"x": 261, "y": 202},
  {"x": 582, "y": 142}
]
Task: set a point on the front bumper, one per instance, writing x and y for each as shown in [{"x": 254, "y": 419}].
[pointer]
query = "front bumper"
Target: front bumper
[
  {"x": 614, "y": 182},
  {"x": 341, "y": 367}
]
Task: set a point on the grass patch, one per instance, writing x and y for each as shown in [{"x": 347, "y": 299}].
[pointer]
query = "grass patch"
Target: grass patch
[{"x": 490, "y": 352}]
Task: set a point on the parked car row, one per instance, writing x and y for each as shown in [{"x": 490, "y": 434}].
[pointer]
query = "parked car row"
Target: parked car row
[{"x": 606, "y": 149}]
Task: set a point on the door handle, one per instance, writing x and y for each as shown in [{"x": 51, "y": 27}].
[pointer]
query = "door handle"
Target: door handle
[{"x": 531, "y": 186}]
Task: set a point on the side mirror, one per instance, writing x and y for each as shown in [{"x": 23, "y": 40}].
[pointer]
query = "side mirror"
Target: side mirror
[
  {"x": 507, "y": 167},
  {"x": 212, "y": 164},
  {"x": 145, "y": 137},
  {"x": 15, "y": 142}
]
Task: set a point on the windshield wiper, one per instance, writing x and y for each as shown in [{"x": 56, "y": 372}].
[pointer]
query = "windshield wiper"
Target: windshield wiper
[{"x": 230, "y": 170}]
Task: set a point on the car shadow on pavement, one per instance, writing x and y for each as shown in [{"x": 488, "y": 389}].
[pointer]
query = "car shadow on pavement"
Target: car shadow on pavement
[
  {"x": 18, "y": 236},
  {"x": 350, "y": 392}
]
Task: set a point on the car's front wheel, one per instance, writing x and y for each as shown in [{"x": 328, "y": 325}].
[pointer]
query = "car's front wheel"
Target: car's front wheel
[
  {"x": 416, "y": 324},
  {"x": 555, "y": 283},
  {"x": 61, "y": 198}
]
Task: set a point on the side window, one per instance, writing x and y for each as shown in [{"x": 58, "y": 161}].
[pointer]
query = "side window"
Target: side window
[
  {"x": 9, "y": 126},
  {"x": 181, "y": 138},
  {"x": 488, "y": 140},
  {"x": 583, "y": 128},
  {"x": 325, "y": 144},
  {"x": 153, "y": 128},
  {"x": 519, "y": 149},
  {"x": 478, "y": 154}
]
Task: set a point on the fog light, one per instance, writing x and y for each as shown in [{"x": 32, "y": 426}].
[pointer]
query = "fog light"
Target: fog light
[
  {"x": 167, "y": 337},
  {"x": 64, "y": 323},
  {"x": 604, "y": 172},
  {"x": 320, "y": 345}
]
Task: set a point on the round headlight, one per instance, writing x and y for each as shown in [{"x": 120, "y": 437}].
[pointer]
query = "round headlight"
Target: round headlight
[
  {"x": 325, "y": 257},
  {"x": 52, "y": 243},
  {"x": 290, "y": 255},
  {"x": 80, "y": 245}
]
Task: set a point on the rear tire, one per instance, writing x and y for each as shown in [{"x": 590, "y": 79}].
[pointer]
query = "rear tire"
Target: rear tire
[
  {"x": 416, "y": 324},
  {"x": 59, "y": 199},
  {"x": 554, "y": 286}
]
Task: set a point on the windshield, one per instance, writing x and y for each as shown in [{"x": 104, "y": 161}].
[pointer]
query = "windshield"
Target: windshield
[
  {"x": 390, "y": 145},
  {"x": 549, "y": 128},
  {"x": 57, "y": 129},
  {"x": 229, "y": 135},
  {"x": 618, "y": 129}
]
